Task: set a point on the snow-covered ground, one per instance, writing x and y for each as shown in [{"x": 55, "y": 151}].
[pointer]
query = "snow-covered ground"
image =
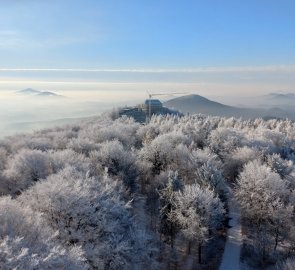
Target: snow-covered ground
[{"x": 232, "y": 251}]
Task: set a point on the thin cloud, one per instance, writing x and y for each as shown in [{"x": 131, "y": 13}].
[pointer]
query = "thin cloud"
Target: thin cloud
[{"x": 241, "y": 69}]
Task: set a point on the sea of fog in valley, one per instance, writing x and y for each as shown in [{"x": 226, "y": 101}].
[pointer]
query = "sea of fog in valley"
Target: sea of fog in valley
[
  {"x": 29, "y": 109},
  {"x": 85, "y": 93},
  {"x": 23, "y": 111}
]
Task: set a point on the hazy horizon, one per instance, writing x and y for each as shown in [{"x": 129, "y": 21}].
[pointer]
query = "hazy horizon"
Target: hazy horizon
[
  {"x": 111, "y": 53},
  {"x": 210, "y": 81},
  {"x": 213, "y": 49},
  {"x": 24, "y": 112}
]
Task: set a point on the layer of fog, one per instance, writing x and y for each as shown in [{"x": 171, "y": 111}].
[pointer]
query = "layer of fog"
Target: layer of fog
[{"x": 22, "y": 113}]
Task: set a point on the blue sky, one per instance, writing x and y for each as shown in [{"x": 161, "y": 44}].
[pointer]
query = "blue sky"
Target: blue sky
[{"x": 229, "y": 44}]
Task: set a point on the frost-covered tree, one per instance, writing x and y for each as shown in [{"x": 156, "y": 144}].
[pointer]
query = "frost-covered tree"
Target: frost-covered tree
[
  {"x": 91, "y": 212},
  {"x": 235, "y": 161},
  {"x": 162, "y": 152},
  {"x": 281, "y": 166},
  {"x": 26, "y": 168},
  {"x": 198, "y": 212},
  {"x": 123, "y": 129},
  {"x": 224, "y": 140},
  {"x": 5, "y": 185},
  {"x": 168, "y": 225},
  {"x": 82, "y": 145},
  {"x": 288, "y": 264},
  {"x": 68, "y": 157},
  {"x": 72, "y": 177},
  {"x": 262, "y": 195},
  {"x": 3, "y": 158},
  {"x": 208, "y": 170},
  {"x": 119, "y": 162},
  {"x": 26, "y": 242}
]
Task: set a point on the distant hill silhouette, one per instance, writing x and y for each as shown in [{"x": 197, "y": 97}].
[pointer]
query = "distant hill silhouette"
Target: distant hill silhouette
[
  {"x": 197, "y": 104},
  {"x": 47, "y": 94},
  {"x": 279, "y": 99},
  {"x": 281, "y": 96},
  {"x": 37, "y": 93},
  {"x": 28, "y": 91}
]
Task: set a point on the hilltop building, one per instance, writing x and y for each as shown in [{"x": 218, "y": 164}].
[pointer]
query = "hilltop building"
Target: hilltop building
[
  {"x": 141, "y": 112},
  {"x": 136, "y": 112},
  {"x": 153, "y": 106}
]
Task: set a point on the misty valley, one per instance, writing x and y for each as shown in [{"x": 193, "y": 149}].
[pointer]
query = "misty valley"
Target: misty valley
[{"x": 30, "y": 109}]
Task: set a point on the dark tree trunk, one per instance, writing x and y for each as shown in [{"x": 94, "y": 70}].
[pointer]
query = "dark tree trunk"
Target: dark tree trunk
[
  {"x": 276, "y": 240},
  {"x": 189, "y": 247},
  {"x": 172, "y": 241},
  {"x": 200, "y": 253},
  {"x": 172, "y": 234}
]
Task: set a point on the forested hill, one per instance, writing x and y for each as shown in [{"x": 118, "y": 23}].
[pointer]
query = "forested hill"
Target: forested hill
[
  {"x": 193, "y": 104},
  {"x": 115, "y": 194}
]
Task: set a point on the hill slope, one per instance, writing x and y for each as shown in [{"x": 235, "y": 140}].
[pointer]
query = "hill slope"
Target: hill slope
[{"x": 199, "y": 104}]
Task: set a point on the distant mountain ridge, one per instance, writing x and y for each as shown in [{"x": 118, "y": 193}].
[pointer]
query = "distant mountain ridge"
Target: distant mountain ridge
[
  {"x": 37, "y": 93},
  {"x": 279, "y": 99},
  {"x": 281, "y": 95},
  {"x": 197, "y": 104},
  {"x": 28, "y": 91}
]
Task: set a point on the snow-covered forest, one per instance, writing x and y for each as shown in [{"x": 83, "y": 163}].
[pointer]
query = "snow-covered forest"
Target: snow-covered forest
[{"x": 111, "y": 193}]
